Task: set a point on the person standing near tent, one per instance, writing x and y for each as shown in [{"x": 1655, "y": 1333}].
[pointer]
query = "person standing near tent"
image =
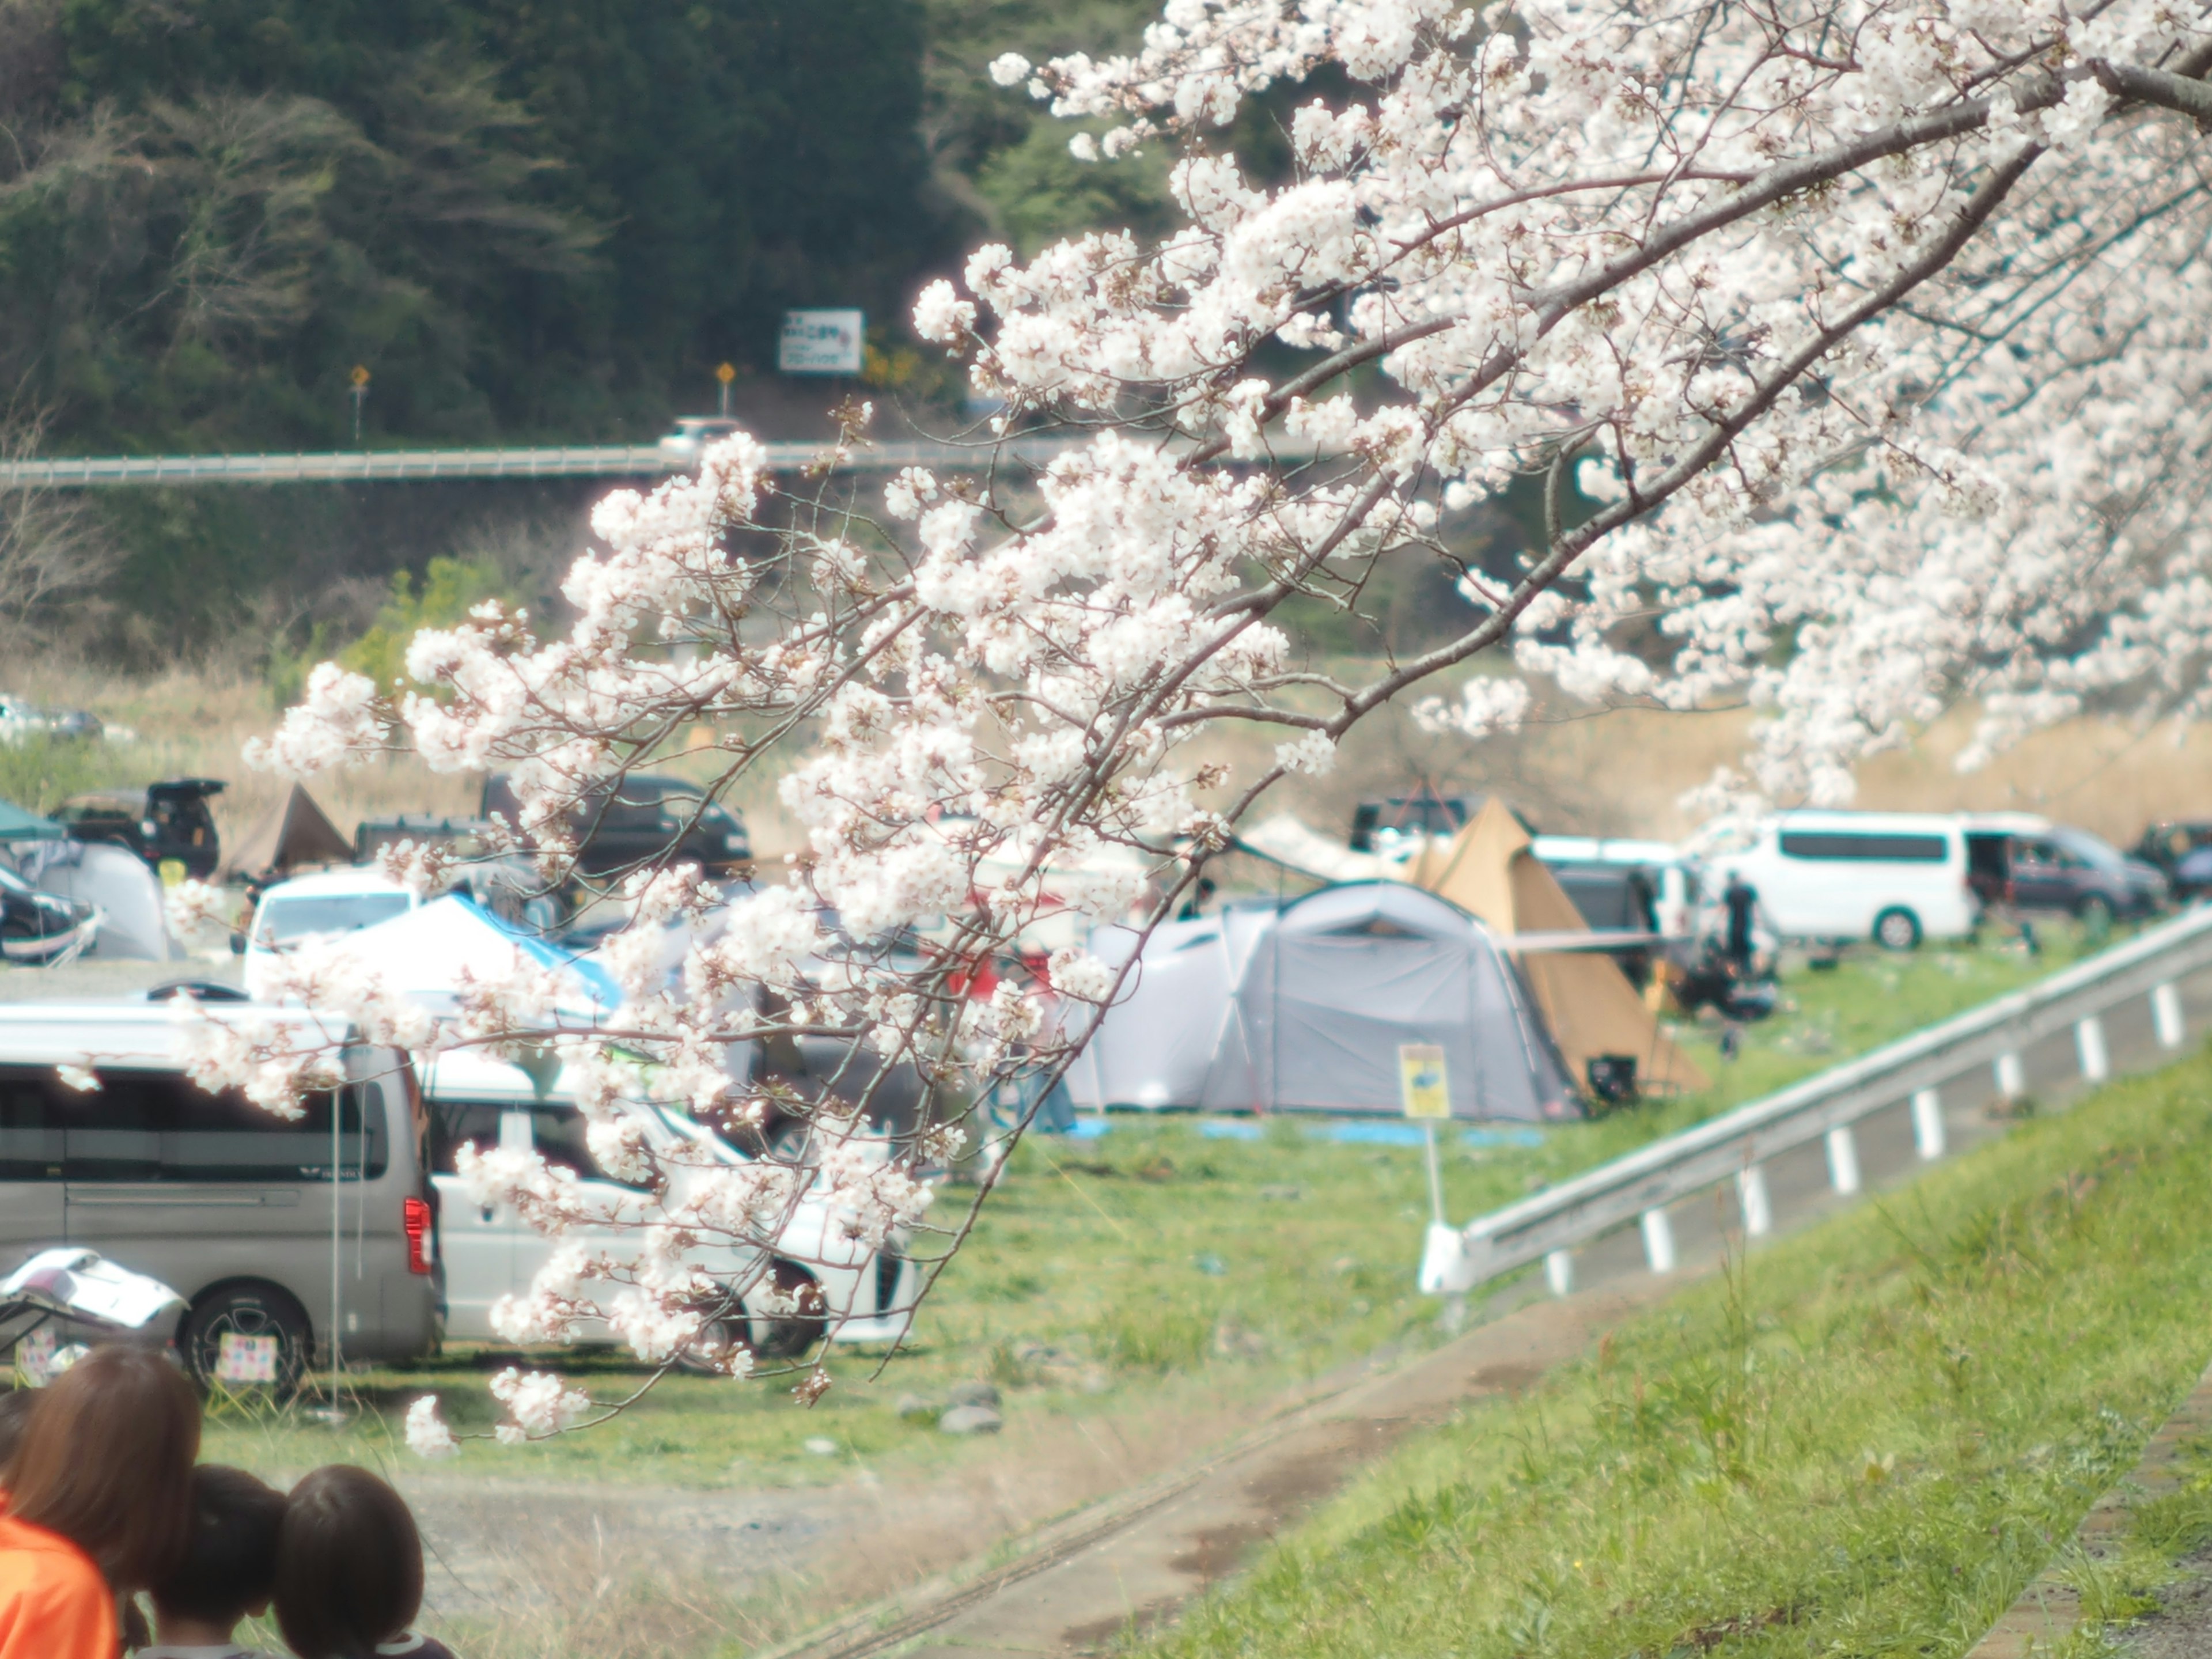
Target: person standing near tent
[{"x": 1739, "y": 900}]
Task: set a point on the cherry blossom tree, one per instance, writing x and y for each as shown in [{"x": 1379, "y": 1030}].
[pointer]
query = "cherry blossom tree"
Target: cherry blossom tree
[{"x": 1875, "y": 331}]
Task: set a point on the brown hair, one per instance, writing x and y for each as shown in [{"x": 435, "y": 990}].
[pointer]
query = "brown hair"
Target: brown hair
[
  {"x": 348, "y": 1565},
  {"x": 107, "y": 1463},
  {"x": 15, "y": 1422}
]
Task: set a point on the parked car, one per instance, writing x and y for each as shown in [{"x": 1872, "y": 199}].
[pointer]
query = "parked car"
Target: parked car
[
  {"x": 645, "y": 818},
  {"x": 1386, "y": 826},
  {"x": 165, "y": 821},
  {"x": 692, "y": 434},
  {"x": 39, "y": 928},
  {"x": 507, "y": 884},
  {"x": 1831, "y": 877},
  {"x": 843, "y": 1289},
  {"x": 19, "y": 720},
  {"x": 2168, "y": 842},
  {"x": 320, "y": 906},
  {"x": 1615, "y": 898},
  {"x": 2032, "y": 864},
  {"x": 1673, "y": 878},
  {"x": 2191, "y": 878},
  {"x": 227, "y": 1203}
]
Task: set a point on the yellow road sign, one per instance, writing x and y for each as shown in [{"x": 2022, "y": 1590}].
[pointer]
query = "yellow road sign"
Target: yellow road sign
[
  {"x": 725, "y": 372},
  {"x": 360, "y": 375},
  {"x": 1421, "y": 1084}
]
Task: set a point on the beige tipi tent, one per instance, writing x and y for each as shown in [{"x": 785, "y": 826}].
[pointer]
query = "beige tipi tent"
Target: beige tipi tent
[
  {"x": 1592, "y": 1009},
  {"x": 295, "y": 835}
]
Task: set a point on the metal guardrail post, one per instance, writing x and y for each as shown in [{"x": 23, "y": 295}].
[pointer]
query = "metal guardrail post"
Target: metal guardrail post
[
  {"x": 1638, "y": 1185},
  {"x": 2165, "y": 1015},
  {"x": 1842, "y": 1158},
  {"x": 1751, "y": 1199},
  {"x": 1928, "y": 1124},
  {"x": 1559, "y": 1272},
  {"x": 2012, "y": 1081},
  {"x": 1658, "y": 1241},
  {"x": 2089, "y": 1046}
]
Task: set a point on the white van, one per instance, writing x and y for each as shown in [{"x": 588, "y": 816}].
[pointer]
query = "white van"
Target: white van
[
  {"x": 845, "y": 1290},
  {"x": 234, "y": 1208},
  {"x": 1894, "y": 877}
]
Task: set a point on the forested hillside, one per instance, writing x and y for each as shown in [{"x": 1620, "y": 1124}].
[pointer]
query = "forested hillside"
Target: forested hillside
[
  {"x": 525, "y": 217},
  {"x": 529, "y": 220}
]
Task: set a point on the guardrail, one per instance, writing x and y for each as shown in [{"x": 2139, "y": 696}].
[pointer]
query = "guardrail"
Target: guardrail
[
  {"x": 604, "y": 460},
  {"x": 1639, "y": 1186}
]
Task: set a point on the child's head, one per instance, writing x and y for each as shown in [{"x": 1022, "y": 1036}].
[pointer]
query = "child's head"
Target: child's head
[
  {"x": 108, "y": 1462},
  {"x": 229, "y": 1567},
  {"x": 348, "y": 1565}
]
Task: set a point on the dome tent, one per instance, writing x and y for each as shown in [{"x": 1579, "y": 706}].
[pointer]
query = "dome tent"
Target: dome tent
[{"x": 1304, "y": 1008}]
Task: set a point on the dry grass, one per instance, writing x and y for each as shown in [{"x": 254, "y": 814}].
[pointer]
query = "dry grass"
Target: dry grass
[
  {"x": 1619, "y": 772},
  {"x": 1624, "y": 772}
]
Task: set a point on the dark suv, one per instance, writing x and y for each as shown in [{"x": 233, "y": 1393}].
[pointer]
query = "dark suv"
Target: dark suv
[
  {"x": 645, "y": 819},
  {"x": 2062, "y": 868},
  {"x": 2168, "y": 842},
  {"x": 164, "y": 820}
]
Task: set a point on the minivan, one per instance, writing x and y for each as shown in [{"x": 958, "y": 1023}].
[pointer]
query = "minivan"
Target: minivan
[
  {"x": 844, "y": 1290},
  {"x": 1833, "y": 876},
  {"x": 302, "y": 1229}
]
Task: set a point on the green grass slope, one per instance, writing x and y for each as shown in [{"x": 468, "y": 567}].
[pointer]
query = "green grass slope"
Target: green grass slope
[{"x": 1865, "y": 1439}]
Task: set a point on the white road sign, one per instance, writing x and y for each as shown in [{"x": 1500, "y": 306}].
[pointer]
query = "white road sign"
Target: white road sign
[{"x": 820, "y": 342}]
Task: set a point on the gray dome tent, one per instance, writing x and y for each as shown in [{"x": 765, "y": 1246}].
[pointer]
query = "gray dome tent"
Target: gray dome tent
[{"x": 1304, "y": 1008}]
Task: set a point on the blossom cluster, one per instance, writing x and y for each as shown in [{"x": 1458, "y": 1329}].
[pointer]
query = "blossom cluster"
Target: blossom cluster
[{"x": 1868, "y": 342}]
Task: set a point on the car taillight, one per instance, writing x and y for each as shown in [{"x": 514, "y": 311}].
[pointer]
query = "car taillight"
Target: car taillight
[{"x": 415, "y": 1217}]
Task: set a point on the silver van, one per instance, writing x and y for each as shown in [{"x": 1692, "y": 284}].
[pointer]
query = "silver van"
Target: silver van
[{"x": 234, "y": 1208}]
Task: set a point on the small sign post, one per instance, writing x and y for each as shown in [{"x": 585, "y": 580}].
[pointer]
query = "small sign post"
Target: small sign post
[
  {"x": 820, "y": 342},
  {"x": 1425, "y": 1093},
  {"x": 360, "y": 379},
  {"x": 725, "y": 372}
]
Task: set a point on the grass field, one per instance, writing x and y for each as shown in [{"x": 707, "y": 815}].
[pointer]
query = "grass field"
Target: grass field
[
  {"x": 1170, "y": 1255},
  {"x": 1864, "y": 1439}
]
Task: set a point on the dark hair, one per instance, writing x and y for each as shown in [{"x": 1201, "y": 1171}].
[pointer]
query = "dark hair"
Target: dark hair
[
  {"x": 230, "y": 1559},
  {"x": 108, "y": 1463},
  {"x": 14, "y": 1418},
  {"x": 348, "y": 1565}
]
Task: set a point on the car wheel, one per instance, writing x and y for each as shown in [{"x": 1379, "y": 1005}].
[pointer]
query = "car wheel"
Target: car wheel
[
  {"x": 709, "y": 1353},
  {"x": 1897, "y": 929},
  {"x": 2096, "y": 915},
  {"x": 788, "y": 1335},
  {"x": 248, "y": 1310}
]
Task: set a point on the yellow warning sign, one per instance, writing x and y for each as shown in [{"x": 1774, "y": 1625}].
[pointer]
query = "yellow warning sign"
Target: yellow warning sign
[{"x": 1421, "y": 1084}]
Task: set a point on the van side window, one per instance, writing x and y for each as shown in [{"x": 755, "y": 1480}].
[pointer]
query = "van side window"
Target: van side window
[
  {"x": 454, "y": 1124},
  {"x": 30, "y": 1130},
  {"x": 1864, "y": 845},
  {"x": 159, "y": 1125},
  {"x": 560, "y": 1134}
]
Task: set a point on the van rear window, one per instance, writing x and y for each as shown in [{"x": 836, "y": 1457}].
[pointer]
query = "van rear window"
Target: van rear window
[
  {"x": 1865, "y": 845},
  {"x": 160, "y": 1126}
]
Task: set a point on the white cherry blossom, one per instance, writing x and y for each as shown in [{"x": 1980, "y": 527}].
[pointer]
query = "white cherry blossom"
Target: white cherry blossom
[{"x": 1876, "y": 335}]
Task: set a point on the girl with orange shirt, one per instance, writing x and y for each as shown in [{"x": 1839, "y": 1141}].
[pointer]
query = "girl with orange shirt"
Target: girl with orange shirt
[{"x": 99, "y": 1502}]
